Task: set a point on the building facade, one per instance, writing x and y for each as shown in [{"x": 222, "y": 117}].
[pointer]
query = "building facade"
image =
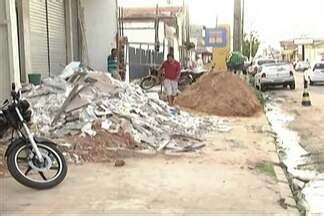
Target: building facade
[
  {"x": 42, "y": 36},
  {"x": 307, "y": 49},
  {"x": 315, "y": 51}
]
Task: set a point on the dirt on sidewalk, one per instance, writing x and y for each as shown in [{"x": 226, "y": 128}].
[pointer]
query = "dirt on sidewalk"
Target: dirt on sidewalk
[
  {"x": 222, "y": 94},
  {"x": 232, "y": 175}
]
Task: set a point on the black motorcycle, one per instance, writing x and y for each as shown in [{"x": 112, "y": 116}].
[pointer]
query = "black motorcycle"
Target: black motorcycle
[
  {"x": 156, "y": 78},
  {"x": 153, "y": 79},
  {"x": 34, "y": 162}
]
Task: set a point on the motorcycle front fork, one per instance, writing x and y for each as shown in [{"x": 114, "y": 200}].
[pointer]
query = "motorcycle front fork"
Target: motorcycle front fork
[{"x": 30, "y": 137}]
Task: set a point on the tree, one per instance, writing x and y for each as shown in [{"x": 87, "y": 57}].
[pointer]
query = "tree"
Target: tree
[{"x": 250, "y": 43}]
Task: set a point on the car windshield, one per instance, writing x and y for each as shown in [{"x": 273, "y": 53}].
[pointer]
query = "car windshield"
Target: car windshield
[
  {"x": 303, "y": 64},
  {"x": 319, "y": 66},
  {"x": 262, "y": 62}
]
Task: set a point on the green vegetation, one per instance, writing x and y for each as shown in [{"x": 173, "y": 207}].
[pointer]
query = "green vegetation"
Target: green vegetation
[
  {"x": 260, "y": 97},
  {"x": 250, "y": 43},
  {"x": 266, "y": 168}
]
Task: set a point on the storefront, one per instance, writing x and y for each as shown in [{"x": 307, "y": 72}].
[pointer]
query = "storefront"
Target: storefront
[{"x": 47, "y": 36}]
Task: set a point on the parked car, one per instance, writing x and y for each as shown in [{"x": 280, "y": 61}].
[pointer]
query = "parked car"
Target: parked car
[
  {"x": 316, "y": 73},
  {"x": 302, "y": 66},
  {"x": 275, "y": 74},
  {"x": 256, "y": 64}
]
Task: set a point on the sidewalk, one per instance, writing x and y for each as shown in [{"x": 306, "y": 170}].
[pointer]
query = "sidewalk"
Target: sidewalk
[{"x": 232, "y": 175}]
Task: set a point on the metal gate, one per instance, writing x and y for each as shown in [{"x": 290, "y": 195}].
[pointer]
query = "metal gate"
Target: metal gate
[
  {"x": 48, "y": 36},
  {"x": 57, "y": 35},
  {"x": 141, "y": 57},
  {"x": 38, "y": 38}
]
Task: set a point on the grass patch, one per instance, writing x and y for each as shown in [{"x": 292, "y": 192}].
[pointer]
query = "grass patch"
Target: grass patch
[
  {"x": 266, "y": 168},
  {"x": 258, "y": 94},
  {"x": 260, "y": 97}
]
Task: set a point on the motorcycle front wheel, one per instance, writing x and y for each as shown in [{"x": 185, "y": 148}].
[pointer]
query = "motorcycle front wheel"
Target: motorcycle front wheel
[
  {"x": 183, "y": 82},
  {"x": 24, "y": 166},
  {"x": 147, "y": 83}
]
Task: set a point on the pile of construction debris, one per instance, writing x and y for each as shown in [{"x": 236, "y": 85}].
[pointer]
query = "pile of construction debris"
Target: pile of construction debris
[{"x": 94, "y": 110}]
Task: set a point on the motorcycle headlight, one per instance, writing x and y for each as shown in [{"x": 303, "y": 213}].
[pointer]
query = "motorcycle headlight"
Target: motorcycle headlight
[
  {"x": 27, "y": 115},
  {"x": 23, "y": 105},
  {"x": 25, "y": 111}
]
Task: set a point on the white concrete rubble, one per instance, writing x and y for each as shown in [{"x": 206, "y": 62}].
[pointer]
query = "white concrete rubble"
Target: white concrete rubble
[{"x": 151, "y": 121}]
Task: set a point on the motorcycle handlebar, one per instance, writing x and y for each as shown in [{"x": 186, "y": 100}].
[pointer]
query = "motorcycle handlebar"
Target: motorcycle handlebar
[
  {"x": 4, "y": 104},
  {"x": 14, "y": 94}
]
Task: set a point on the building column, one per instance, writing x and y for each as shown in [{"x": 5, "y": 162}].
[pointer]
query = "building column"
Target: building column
[
  {"x": 69, "y": 36},
  {"x": 72, "y": 30},
  {"x": 24, "y": 39},
  {"x": 13, "y": 42}
]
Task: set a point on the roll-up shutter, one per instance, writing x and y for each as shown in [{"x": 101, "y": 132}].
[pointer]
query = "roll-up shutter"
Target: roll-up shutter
[
  {"x": 57, "y": 35},
  {"x": 48, "y": 36},
  {"x": 38, "y": 38}
]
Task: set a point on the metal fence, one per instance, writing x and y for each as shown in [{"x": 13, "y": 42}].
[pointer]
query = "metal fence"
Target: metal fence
[{"x": 142, "y": 56}]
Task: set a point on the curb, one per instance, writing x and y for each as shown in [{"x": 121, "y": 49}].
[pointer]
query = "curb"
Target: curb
[{"x": 286, "y": 196}]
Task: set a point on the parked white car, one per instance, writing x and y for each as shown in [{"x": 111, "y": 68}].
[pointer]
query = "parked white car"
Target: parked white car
[
  {"x": 302, "y": 66},
  {"x": 257, "y": 63},
  {"x": 274, "y": 75},
  {"x": 316, "y": 73}
]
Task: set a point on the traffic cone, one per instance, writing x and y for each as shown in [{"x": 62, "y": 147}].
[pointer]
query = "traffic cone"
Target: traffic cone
[{"x": 306, "y": 98}]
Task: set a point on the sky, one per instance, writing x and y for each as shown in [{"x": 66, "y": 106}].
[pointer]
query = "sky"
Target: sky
[{"x": 273, "y": 20}]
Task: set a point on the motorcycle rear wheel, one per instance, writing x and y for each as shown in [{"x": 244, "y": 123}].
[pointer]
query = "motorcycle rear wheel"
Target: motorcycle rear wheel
[
  {"x": 147, "y": 83},
  {"x": 50, "y": 153}
]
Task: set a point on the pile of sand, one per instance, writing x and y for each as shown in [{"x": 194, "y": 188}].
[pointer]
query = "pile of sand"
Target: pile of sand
[{"x": 222, "y": 94}]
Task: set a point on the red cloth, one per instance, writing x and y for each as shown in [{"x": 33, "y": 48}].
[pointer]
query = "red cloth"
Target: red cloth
[{"x": 171, "y": 70}]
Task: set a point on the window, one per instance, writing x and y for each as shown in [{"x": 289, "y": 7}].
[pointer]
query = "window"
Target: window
[
  {"x": 319, "y": 66},
  {"x": 262, "y": 62}
]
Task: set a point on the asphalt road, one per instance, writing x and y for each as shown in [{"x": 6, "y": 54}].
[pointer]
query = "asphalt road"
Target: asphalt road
[{"x": 318, "y": 89}]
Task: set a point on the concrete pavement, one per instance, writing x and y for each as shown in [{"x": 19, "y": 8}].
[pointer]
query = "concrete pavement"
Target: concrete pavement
[{"x": 233, "y": 175}]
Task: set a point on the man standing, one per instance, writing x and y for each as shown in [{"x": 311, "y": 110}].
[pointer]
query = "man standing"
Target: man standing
[
  {"x": 171, "y": 70},
  {"x": 112, "y": 64}
]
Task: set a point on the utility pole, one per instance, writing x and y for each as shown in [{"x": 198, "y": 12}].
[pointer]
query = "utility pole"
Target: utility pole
[
  {"x": 237, "y": 32},
  {"x": 216, "y": 21},
  {"x": 251, "y": 45},
  {"x": 243, "y": 24}
]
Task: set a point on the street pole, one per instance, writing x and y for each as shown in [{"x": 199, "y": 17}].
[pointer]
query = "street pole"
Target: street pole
[
  {"x": 237, "y": 37},
  {"x": 251, "y": 36},
  {"x": 243, "y": 26},
  {"x": 216, "y": 21}
]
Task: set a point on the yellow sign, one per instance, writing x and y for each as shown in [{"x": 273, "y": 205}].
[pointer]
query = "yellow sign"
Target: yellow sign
[{"x": 220, "y": 53}]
